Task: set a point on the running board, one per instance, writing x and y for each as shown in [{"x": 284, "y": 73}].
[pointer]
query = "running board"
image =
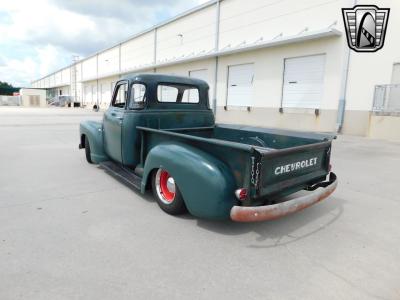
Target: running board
[{"x": 119, "y": 172}]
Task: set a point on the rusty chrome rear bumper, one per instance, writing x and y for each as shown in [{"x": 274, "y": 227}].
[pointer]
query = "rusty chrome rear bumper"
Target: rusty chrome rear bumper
[{"x": 274, "y": 211}]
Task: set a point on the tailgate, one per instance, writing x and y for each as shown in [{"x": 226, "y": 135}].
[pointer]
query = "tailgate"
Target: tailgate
[{"x": 291, "y": 168}]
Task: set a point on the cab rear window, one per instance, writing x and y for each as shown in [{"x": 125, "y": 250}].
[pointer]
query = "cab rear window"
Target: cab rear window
[{"x": 177, "y": 93}]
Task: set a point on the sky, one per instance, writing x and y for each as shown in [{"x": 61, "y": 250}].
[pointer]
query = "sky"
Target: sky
[{"x": 38, "y": 37}]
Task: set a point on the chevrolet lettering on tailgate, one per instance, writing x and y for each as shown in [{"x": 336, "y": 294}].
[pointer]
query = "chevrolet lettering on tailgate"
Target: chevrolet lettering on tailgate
[{"x": 296, "y": 166}]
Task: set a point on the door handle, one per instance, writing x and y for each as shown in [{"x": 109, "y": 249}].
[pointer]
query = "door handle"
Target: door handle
[
  {"x": 113, "y": 114},
  {"x": 120, "y": 118}
]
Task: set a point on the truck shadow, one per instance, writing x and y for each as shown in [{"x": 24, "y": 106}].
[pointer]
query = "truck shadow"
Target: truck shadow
[
  {"x": 286, "y": 230},
  {"x": 270, "y": 234}
]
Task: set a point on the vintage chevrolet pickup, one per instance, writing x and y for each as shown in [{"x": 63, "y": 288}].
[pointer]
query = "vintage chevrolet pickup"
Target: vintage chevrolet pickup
[{"x": 159, "y": 133}]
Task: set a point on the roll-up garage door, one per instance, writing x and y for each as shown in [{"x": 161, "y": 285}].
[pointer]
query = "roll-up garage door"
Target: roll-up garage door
[
  {"x": 303, "y": 81},
  {"x": 94, "y": 94},
  {"x": 396, "y": 74},
  {"x": 105, "y": 93},
  {"x": 88, "y": 94},
  {"x": 193, "y": 96},
  {"x": 240, "y": 85},
  {"x": 199, "y": 74}
]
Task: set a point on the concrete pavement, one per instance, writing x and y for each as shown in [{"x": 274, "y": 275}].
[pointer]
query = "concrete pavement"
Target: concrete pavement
[{"x": 70, "y": 231}]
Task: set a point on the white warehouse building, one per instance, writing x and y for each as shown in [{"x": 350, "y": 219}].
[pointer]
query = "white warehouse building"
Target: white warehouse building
[{"x": 269, "y": 63}]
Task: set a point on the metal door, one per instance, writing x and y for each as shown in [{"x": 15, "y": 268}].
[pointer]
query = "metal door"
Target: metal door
[
  {"x": 240, "y": 85},
  {"x": 303, "y": 81},
  {"x": 113, "y": 122}
]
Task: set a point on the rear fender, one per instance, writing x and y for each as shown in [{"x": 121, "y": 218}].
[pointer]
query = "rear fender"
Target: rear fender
[
  {"x": 206, "y": 184},
  {"x": 93, "y": 131}
]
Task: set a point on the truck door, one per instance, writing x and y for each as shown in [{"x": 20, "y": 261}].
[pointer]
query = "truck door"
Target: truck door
[{"x": 113, "y": 122}]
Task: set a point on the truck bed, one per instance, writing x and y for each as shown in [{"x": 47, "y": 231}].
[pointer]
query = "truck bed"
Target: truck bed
[
  {"x": 269, "y": 162},
  {"x": 267, "y": 138}
]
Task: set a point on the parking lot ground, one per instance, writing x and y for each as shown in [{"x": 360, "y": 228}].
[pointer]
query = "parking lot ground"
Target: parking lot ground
[{"x": 68, "y": 230}]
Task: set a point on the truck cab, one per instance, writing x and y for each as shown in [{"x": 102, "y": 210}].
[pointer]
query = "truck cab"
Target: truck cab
[{"x": 153, "y": 101}]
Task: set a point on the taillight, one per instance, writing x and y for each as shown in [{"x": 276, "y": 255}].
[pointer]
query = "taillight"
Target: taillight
[
  {"x": 329, "y": 168},
  {"x": 241, "y": 194}
]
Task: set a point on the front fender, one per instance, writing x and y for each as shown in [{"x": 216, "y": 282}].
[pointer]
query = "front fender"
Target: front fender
[
  {"x": 93, "y": 130},
  {"x": 206, "y": 183}
]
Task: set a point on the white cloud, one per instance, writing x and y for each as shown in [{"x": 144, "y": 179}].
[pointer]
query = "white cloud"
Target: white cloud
[
  {"x": 46, "y": 33},
  {"x": 20, "y": 71},
  {"x": 48, "y": 58}
]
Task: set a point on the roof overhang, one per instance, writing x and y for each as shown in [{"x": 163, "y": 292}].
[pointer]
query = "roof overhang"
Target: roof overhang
[
  {"x": 244, "y": 47},
  {"x": 59, "y": 86}
]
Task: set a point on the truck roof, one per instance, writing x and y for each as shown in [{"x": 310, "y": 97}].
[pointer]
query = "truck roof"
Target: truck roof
[{"x": 163, "y": 78}]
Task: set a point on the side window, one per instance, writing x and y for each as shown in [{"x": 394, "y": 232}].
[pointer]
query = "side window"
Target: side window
[
  {"x": 120, "y": 96},
  {"x": 138, "y": 95}
]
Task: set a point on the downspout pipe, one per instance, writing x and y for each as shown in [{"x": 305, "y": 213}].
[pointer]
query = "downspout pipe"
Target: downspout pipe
[
  {"x": 119, "y": 58},
  {"x": 343, "y": 87},
  {"x": 218, "y": 14},
  {"x": 97, "y": 82},
  {"x": 343, "y": 90},
  {"x": 155, "y": 47}
]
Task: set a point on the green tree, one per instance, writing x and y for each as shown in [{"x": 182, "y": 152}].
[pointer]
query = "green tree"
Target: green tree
[{"x": 7, "y": 89}]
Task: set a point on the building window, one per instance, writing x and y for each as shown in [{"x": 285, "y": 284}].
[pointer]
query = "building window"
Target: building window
[
  {"x": 303, "y": 81},
  {"x": 240, "y": 85}
]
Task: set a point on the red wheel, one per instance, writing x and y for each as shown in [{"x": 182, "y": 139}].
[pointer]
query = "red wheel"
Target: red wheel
[{"x": 167, "y": 193}]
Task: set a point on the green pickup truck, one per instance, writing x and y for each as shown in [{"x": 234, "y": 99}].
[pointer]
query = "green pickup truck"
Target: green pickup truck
[{"x": 159, "y": 133}]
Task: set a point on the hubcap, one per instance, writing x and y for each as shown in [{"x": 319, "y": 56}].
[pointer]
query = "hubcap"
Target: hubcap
[
  {"x": 171, "y": 185},
  {"x": 165, "y": 186}
]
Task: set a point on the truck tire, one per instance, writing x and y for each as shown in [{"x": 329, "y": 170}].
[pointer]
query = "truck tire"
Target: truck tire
[
  {"x": 166, "y": 193},
  {"x": 87, "y": 151}
]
